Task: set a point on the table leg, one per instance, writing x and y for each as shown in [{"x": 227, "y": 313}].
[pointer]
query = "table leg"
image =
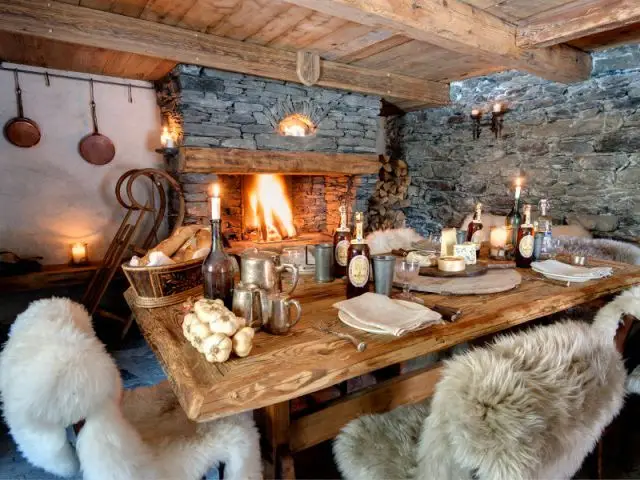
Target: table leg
[{"x": 275, "y": 422}]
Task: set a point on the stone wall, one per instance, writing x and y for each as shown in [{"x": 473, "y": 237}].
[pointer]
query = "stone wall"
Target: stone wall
[
  {"x": 575, "y": 144},
  {"x": 213, "y": 108}
]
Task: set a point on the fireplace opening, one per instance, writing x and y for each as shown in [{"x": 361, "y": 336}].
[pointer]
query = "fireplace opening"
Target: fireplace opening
[{"x": 267, "y": 209}]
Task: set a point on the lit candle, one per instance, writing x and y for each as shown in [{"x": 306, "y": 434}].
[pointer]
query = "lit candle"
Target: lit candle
[
  {"x": 498, "y": 241},
  {"x": 497, "y": 107},
  {"x": 498, "y": 237},
  {"x": 215, "y": 201},
  {"x": 166, "y": 139},
  {"x": 79, "y": 253},
  {"x": 518, "y": 186},
  {"x": 475, "y": 112}
]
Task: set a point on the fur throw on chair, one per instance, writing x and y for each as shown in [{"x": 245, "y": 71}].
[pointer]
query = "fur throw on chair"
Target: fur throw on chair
[
  {"x": 531, "y": 405},
  {"x": 54, "y": 372}
]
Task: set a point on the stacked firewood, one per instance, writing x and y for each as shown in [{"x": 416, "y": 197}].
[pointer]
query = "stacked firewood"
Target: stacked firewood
[{"x": 390, "y": 197}]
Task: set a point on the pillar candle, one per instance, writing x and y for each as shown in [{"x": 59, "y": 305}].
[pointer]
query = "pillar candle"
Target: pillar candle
[
  {"x": 498, "y": 237},
  {"x": 215, "y": 201},
  {"x": 447, "y": 242},
  {"x": 79, "y": 253}
]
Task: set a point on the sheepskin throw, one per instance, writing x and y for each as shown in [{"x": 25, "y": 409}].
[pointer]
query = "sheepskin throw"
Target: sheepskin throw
[
  {"x": 54, "y": 372},
  {"x": 602, "y": 248},
  {"x": 532, "y": 405}
]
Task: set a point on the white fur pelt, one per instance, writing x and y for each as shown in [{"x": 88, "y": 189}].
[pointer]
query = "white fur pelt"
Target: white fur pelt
[
  {"x": 602, "y": 248},
  {"x": 55, "y": 372},
  {"x": 531, "y": 405},
  {"x": 383, "y": 241},
  {"x": 489, "y": 220}
]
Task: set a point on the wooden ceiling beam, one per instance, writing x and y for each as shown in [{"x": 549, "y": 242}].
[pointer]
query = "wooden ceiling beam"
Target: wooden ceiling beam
[
  {"x": 461, "y": 28},
  {"x": 575, "y": 20},
  {"x": 84, "y": 26}
]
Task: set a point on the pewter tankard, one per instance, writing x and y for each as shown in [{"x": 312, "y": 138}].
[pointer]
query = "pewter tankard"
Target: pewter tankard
[
  {"x": 279, "y": 319},
  {"x": 262, "y": 269},
  {"x": 248, "y": 303}
]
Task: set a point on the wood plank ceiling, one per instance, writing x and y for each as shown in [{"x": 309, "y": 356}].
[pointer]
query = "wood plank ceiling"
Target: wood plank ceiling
[{"x": 289, "y": 25}]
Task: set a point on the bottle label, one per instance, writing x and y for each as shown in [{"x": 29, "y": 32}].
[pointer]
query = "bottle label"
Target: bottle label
[
  {"x": 359, "y": 271},
  {"x": 526, "y": 246},
  {"x": 342, "y": 248},
  {"x": 477, "y": 238}
]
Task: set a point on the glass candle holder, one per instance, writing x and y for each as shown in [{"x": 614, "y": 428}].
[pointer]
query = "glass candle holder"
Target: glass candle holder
[{"x": 79, "y": 254}]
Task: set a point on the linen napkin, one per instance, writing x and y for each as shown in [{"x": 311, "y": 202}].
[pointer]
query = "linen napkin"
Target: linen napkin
[
  {"x": 387, "y": 315},
  {"x": 572, "y": 273}
]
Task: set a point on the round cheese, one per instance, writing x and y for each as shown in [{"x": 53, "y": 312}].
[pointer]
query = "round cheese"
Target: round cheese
[{"x": 451, "y": 264}]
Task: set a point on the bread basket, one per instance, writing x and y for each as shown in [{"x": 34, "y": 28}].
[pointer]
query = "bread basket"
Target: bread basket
[{"x": 165, "y": 285}]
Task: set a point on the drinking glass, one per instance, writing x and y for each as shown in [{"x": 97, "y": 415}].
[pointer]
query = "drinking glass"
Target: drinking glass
[
  {"x": 406, "y": 272},
  {"x": 554, "y": 247}
]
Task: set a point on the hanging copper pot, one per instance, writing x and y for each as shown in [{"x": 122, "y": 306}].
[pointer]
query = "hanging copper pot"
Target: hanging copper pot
[
  {"x": 21, "y": 131},
  {"x": 96, "y": 148}
]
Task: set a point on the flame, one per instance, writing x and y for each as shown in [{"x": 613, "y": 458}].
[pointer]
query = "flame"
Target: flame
[
  {"x": 296, "y": 125},
  {"x": 269, "y": 202}
]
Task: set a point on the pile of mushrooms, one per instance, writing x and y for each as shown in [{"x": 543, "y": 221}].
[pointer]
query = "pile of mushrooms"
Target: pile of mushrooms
[{"x": 215, "y": 331}]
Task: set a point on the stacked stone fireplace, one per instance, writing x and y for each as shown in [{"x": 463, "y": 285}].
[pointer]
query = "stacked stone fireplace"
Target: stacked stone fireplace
[{"x": 207, "y": 108}]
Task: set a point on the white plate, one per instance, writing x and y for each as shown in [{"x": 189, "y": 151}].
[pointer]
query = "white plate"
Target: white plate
[{"x": 357, "y": 324}]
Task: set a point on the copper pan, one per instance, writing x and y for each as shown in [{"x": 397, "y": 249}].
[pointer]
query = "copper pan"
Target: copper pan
[
  {"x": 96, "y": 148},
  {"x": 21, "y": 131}
]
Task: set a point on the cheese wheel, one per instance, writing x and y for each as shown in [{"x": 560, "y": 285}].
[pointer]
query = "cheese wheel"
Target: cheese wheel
[{"x": 451, "y": 264}]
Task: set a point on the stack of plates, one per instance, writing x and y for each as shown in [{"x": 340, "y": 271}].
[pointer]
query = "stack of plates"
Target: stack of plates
[{"x": 556, "y": 270}]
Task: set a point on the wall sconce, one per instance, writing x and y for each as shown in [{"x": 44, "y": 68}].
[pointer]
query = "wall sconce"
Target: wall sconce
[
  {"x": 476, "y": 116},
  {"x": 497, "y": 119}
]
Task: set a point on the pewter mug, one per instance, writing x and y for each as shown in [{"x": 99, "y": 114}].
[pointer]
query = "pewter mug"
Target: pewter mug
[
  {"x": 279, "y": 320},
  {"x": 247, "y": 303},
  {"x": 263, "y": 269}
]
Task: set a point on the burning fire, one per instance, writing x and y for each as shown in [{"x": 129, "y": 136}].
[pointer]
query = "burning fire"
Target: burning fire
[{"x": 270, "y": 209}]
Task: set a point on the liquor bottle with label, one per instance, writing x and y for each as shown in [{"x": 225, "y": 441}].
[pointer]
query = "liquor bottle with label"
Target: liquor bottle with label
[
  {"x": 358, "y": 261},
  {"x": 545, "y": 226},
  {"x": 526, "y": 232},
  {"x": 474, "y": 230},
  {"x": 341, "y": 242},
  {"x": 218, "y": 269},
  {"x": 513, "y": 222}
]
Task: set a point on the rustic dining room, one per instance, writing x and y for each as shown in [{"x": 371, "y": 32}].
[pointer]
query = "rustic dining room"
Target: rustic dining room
[{"x": 322, "y": 239}]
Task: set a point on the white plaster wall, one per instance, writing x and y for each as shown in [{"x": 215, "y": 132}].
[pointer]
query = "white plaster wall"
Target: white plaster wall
[{"x": 49, "y": 196}]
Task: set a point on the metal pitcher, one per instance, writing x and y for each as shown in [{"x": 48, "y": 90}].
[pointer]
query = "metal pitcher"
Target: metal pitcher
[
  {"x": 263, "y": 269},
  {"x": 248, "y": 303}
]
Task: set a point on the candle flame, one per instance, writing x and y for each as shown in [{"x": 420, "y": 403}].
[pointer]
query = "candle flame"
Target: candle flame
[
  {"x": 214, "y": 190},
  {"x": 166, "y": 136},
  {"x": 518, "y": 182}
]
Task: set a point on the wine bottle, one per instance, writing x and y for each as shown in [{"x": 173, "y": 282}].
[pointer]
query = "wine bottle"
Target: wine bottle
[
  {"x": 358, "y": 261},
  {"x": 474, "y": 230},
  {"x": 218, "y": 270},
  {"x": 545, "y": 226},
  {"x": 525, "y": 241},
  {"x": 341, "y": 241},
  {"x": 513, "y": 224}
]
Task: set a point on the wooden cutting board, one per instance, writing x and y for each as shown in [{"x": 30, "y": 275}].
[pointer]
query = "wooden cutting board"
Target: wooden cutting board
[{"x": 493, "y": 281}]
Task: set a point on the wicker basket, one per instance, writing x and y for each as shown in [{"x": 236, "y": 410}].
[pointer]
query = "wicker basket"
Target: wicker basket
[{"x": 165, "y": 285}]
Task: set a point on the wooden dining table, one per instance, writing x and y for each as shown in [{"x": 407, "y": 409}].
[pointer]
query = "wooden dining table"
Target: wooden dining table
[{"x": 308, "y": 359}]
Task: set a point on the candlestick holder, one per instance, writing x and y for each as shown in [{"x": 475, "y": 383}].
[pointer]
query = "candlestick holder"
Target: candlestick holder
[
  {"x": 497, "y": 122},
  {"x": 476, "y": 117},
  {"x": 168, "y": 151}
]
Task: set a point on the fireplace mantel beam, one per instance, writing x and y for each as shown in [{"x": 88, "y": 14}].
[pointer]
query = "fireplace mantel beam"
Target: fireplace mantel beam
[
  {"x": 460, "y": 27},
  {"x": 84, "y": 26},
  {"x": 235, "y": 161}
]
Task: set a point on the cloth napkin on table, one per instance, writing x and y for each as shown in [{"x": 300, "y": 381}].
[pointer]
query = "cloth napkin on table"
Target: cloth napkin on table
[
  {"x": 573, "y": 273},
  {"x": 387, "y": 315}
]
